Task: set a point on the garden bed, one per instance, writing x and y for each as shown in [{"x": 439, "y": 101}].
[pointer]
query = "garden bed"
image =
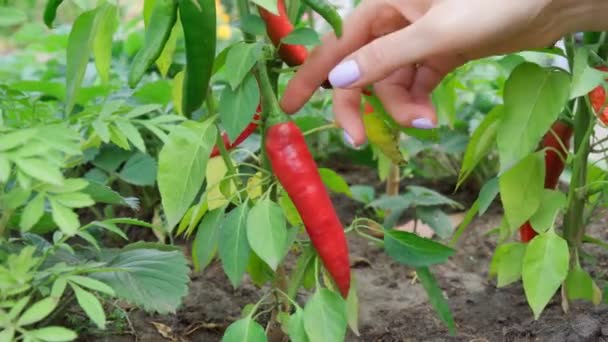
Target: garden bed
[{"x": 393, "y": 306}]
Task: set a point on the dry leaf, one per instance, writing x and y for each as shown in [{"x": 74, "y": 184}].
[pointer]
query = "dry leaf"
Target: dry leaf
[
  {"x": 165, "y": 331},
  {"x": 424, "y": 230}
]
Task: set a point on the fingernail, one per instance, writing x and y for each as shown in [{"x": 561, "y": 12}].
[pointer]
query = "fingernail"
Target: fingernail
[
  {"x": 344, "y": 74},
  {"x": 423, "y": 123},
  {"x": 349, "y": 140}
]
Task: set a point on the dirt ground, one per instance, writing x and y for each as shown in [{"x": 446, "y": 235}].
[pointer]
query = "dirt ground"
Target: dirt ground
[{"x": 392, "y": 306}]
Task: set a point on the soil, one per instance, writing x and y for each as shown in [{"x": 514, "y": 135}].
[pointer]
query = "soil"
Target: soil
[{"x": 393, "y": 307}]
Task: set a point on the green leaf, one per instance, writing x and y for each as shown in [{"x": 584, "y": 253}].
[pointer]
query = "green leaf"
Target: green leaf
[
  {"x": 102, "y": 45},
  {"x": 352, "y": 308},
  {"x": 32, "y": 213},
  {"x": 438, "y": 301},
  {"x": 104, "y": 194},
  {"x": 205, "y": 243},
  {"x": 580, "y": 285},
  {"x": 142, "y": 110},
  {"x": 233, "y": 246},
  {"x": 552, "y": 201},
  {"x": 110, "y": 158},
  {"x": 545, "y": 268},
  {"x": 240, "y": 59},
  {"x": 182, "y": 163},
  {"x": 119, "y": 138},
  {"x": 507, "y": 262},
  {"x": 153, "y": 279},
  {"x": 92, "y": 284},
  {"x": 65, "y": 218},
  {"x": 534, "y": 98},
  {"x": 521, "y": 188},
  {"x": 295, "y": 326},
  {"x": 80, "y": 44},
  {"x": 413, "y": 250},
  {"x": 481, "y": 143},
  {"x": 38, "y": 311},
  {"x": 140, "y": 169},
  {"x": 289, "y": 209},
  {"x": 584, "y": 77},
  {"x": 53, "y": 334},
  {"x": 422, "y": 196},
  {"x": 487, "y": 194},
  {"x": 335, "y": 182},
  {"x": 11, "y": 16},
  {"x": 267, "y": 232},
  {"x": 302, "y": 36},
  {"x": 16, "y": 198},
  {"x": 91, "y": 306},
  {"x": 258, "y": 270},
  {"x": 69, "y": 185},
  {"x": 253, "y": 24},
  {"x": 40, "y": 169},
  {"x": 325, "y": 316},
  {"x": 16, "y": 138},
  {"x": 305, "y": 262},
  {"x": 127, "y": 128},
  {"x": 238, "y": 106},
  {"x": 436, "y": 219},
  {"x": 244, "y": 329},
  {"x": 74, "y": 200},
  {"x": 363, "y": 193},
  {"x": 111, "y": 228},
  {"x": 269, "y": 5},
  {"x": 7, "y": 334}
]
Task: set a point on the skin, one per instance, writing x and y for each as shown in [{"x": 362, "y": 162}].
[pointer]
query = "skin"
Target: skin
[{"x": 404, "y": 48}]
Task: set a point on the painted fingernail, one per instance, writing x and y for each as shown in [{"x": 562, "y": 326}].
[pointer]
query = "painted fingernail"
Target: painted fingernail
[
  {"x": 423, "y": 123},
  {"x": 348, "y": 139},
  {"x": 344, "y": 74}
]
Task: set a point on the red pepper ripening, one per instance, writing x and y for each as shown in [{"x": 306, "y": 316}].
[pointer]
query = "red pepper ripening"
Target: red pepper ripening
[
  {"x": 554, "y": 165},
  {"x": 598, "y": 99},
  {"x": 297, "y": 171},
  {"x": 248, "y": 131},
  {"x": 279, "y": 27}
]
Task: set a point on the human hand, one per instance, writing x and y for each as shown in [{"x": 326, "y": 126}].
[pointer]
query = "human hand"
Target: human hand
[{"x": 405, "y": 48}]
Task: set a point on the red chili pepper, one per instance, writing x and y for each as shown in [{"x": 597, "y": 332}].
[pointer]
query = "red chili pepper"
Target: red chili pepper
[
  {"x": 554, "y": 164},
  {"x": 598, "y": 100},
  {"x": 296, "y": 170},
  {"x": 279, "y": 27}
]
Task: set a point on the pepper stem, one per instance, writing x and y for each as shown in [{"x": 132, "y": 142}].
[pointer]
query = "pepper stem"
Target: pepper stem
[{"x": 271, "y": 112}]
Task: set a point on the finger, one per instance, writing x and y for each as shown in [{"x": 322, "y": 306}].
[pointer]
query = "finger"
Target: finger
[
  {"x": 346, "y": 106},
  {"x": 408, "y": 111},
  {"x": 370, "y": 18}
]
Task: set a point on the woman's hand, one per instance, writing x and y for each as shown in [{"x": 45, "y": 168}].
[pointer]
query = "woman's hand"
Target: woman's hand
[{"x": 405, "y": 48}]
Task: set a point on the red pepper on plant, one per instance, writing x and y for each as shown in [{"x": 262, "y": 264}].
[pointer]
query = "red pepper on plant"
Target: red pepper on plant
[
  {"x": 296, "y": 170},
  {"x": 598, "y": 100}
]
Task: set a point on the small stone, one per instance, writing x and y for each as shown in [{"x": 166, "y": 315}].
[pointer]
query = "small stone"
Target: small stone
[{"x": 604, "y": 331}]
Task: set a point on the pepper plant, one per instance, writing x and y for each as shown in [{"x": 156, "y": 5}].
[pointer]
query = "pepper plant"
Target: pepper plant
[{"x": 533, "y": 135}]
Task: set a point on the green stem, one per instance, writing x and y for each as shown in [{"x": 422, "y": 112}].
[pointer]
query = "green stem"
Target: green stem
[
  {"x": 226, "y": 157},
  {"x": 271, "y": 112},
  {"x": 6, "y": 216},
  {"x": 574, "y": 229}
]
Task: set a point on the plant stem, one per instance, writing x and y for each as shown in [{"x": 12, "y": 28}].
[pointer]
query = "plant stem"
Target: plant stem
[
  {"x": 4, "y": 218},
  {"x": 574, "y": 229}
]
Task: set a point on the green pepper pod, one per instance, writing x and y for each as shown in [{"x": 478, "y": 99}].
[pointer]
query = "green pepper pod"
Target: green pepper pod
[
  {"x": 328, "y": 12},
  {"x": 162, "y": 20},
  {"x": 50, "y": 12},
  {"x": 199, "y": 25}
]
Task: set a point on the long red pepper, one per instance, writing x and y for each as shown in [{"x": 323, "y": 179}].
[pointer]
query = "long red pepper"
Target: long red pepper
[
  {"x": 296, "y": 170},
  {"x": 554, "y": 164}
]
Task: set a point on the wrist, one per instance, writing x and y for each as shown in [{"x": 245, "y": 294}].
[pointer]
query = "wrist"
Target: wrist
[{"x": 582, "y": 15}]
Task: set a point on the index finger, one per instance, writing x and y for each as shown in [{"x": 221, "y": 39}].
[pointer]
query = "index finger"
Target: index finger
[{"x": 357, "y": 31}]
